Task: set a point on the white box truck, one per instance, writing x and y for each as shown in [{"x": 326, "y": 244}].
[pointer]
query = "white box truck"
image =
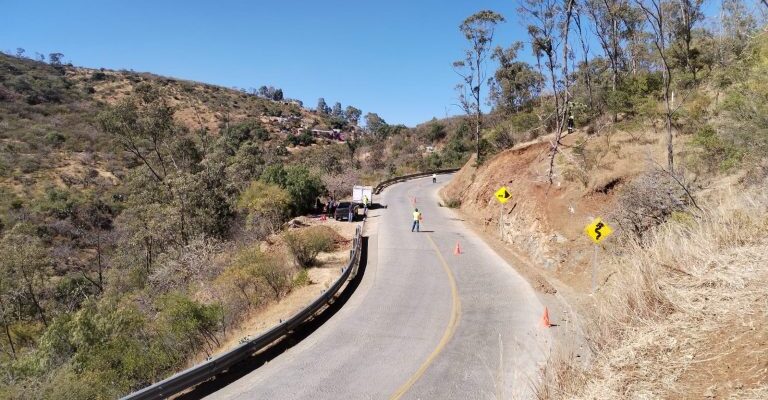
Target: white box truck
[{"x": 358, "y": 192}]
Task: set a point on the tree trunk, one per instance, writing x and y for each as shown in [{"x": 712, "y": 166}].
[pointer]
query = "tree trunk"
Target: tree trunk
[
  {"x": 7, "y": 331},
  {"x": 585, "y": 53},
  {"x": 556, "y": 95},
  {"x": 560, "y": 119},
  {"x": 478, "y": 97},
  {"x": 29, "y": 284},
  {"x": 478, "y": 123},
  {"x": 98, "y": 261},
  {"x": 670, "y": 151}
]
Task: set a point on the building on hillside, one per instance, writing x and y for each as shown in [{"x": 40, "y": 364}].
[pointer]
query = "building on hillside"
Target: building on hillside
[
  {"x": 293, "y": 102},
  {"x": 334, "y": 134},
  {"x": 267, "y": 119}
]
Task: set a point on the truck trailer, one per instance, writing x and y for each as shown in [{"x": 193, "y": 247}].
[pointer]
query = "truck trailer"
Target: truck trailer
[{"x": 360, "y": 192}]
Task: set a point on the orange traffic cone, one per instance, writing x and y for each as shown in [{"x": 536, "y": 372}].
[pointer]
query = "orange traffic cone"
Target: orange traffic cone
[
  {"x": 545, "y": 318},
  {"x": 457, "y": 250}
]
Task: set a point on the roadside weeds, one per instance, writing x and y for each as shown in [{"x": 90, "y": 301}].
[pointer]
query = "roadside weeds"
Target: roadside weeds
[{"x": 681, "y": 314}]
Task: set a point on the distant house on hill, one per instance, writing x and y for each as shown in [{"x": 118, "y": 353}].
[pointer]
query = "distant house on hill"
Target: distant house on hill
[
  {"x": 294, "y": 102},
  {"x": 266, "y": 119},
  {"x": 334, "y": 134}
]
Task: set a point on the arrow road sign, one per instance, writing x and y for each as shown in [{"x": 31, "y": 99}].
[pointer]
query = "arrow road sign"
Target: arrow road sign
[{"x": 503, "y": 195}]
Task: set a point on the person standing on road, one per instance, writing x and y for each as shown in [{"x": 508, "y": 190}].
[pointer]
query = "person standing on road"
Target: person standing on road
[
  {"x": 434, "y": 178},
  {"x": 416, "y": 220},
  {"x": 365, "y": 205}
]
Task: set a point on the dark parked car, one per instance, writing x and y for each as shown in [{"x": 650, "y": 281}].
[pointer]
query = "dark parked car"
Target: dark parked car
[{"x": 342, "y": 211}]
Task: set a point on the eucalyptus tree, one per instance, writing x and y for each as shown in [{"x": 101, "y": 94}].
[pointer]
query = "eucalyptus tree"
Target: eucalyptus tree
[{"x": 478, "y": 29}]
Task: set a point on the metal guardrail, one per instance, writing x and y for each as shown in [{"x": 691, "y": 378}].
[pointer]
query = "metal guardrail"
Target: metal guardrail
[
  {"x": 398, "y": 179},
  {"x": 207, "y": 370}
]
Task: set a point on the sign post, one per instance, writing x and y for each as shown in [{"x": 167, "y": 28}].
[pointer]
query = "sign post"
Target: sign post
[
  {"x": 597, "y": 230},
  {"x": 503, "y": 196}
]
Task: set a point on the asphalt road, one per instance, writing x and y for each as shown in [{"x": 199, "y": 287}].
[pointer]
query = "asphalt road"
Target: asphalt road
[{"x": 423, "y": 324}]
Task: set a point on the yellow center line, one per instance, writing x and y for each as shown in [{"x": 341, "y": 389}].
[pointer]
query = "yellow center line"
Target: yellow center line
[{"x": 449, "y": 330}]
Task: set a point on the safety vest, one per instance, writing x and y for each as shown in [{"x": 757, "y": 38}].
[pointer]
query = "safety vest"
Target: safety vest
[{"x": 416, "y": 215}]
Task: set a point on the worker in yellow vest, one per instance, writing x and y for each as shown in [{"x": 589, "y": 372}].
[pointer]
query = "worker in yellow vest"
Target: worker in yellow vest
[{"x": 417, "y": 217}]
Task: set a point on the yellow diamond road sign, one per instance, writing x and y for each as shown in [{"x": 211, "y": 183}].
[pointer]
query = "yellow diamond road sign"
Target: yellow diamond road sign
[
  {"x": 503, "y": 195},
  {"x": 598, "y": 230}
]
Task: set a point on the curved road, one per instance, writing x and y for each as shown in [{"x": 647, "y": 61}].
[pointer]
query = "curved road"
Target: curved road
[{"x": 423, "y": 324}]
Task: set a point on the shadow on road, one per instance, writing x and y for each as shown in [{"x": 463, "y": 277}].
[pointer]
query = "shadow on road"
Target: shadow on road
[{"x": 307, "y": 328}]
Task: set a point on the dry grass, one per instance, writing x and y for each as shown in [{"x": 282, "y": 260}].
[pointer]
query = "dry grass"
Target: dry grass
[{"x": 683, "y": 314}]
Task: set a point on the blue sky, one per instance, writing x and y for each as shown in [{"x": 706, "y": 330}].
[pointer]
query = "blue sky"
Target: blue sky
[{"x": 390, "y": 57}]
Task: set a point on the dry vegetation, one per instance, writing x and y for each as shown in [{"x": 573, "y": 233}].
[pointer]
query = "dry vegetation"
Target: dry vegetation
[{"x": 681, "y": 314}]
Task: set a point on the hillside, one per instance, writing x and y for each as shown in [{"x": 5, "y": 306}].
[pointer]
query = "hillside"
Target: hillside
[
  {"x": 142, "y": 222},
  {"x": 680, "y": 306},
  {"x": 48, "y": 119}
]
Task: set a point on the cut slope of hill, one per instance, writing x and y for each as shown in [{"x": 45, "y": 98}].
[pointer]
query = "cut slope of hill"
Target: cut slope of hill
[
  {"x": 680, "y": 305},
  {"x": 677, "y": 314}
]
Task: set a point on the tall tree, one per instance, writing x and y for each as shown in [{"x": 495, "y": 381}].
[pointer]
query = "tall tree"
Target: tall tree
[
  {"x": 515, "y": 83},
  {"x": 478, "y": 29},
  {"x": 353, "y": 114},
  {"x": 656, "y": 16},
  {"x": 322, "y": 106},
  {"x": 684, "y": 14},
  {"x": 143, "y": 125},
  {"x": 26, "y": 259},
  {"x": 585, "y": 69},
  {"x": 55, "y": 58},
  {"x": 337, "y": 110},
  {"x": 545, "y": 42},
  {"x": 738, "y": 24},
  {"x": 607, "y": 22},
  {"x": 375, "y": 124}
]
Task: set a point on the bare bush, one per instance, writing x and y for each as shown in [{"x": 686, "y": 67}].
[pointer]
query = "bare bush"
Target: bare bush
[
  {"x": 340, "y": 185},
  {"x": 194, "y": 263},
  {"x": 648, "y": 201}
]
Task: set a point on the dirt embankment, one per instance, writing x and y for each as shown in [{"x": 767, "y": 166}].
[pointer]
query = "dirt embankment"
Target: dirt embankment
[
  {"x": 544, "y": 222},
  {"x": 676, "y": 316}
]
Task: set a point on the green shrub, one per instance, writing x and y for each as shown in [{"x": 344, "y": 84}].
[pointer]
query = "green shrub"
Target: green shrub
[
  {"x": 303, "y": 139},
  {"x": 302, "y": 279},
  {"x": 306, "y": 244},
  {"x": 436, "y": 132},
  {"x": 717, "y": 152},
  {"x": 302, "y": 185},
  {"x": 55, "y": 138},
  {"x": 254, "y": 275}
]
